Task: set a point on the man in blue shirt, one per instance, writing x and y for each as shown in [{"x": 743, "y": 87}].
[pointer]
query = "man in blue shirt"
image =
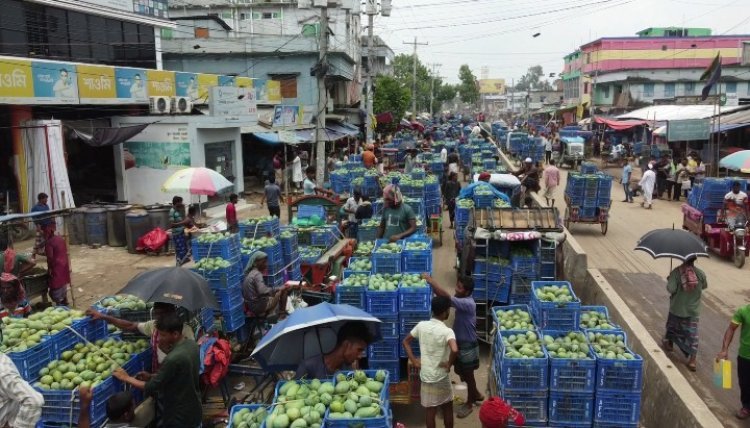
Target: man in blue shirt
[
  {"x": 627, "y": 172},
  {"x": 41, "y": 225}
]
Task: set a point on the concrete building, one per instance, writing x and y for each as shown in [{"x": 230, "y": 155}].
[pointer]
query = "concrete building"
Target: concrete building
[
  {"x": 382, "y": 54},
  {"x": 275, "y": 40},
  {"x": 659, "y": 65}
]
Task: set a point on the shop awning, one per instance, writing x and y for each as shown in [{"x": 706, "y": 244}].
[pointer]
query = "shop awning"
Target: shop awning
[
  {"x": 343, "y": 128},
  {"x": 728, "y": 127},
  {"x": 103, "y": 137},
  {"x": 273, "y": 138},
  {"x": 619, "y": 125}
]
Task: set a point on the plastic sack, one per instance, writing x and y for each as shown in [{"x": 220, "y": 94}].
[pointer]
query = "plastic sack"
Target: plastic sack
[
  {"x": 152, "y": 241},
  {"x": 723, "y": 374}
]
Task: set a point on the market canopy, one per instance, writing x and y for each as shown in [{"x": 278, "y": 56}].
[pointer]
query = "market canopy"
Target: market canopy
[
  {"x": 103, "y": 137},
  {"x": 663, "y": 113},
  {"x": 620, "y": 125}
]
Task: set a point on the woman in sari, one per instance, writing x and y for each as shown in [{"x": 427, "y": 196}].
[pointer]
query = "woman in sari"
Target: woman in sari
[
  {"x": 13, "y": 301},
  {"x": 685, "y": 285}
]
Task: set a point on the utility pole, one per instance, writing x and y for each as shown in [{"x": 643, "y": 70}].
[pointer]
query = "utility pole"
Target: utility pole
[
  {"x": 371, "y": 11},
  {"x": 432, "y": 83},
  {"x": 414, "y": 76},
  {"x": 320, "y": 123}
]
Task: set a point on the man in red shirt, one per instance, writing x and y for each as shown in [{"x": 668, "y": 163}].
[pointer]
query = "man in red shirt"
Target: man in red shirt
[
  {"x": 58, "y": 266},
  {"x": 232, "y": 224}
]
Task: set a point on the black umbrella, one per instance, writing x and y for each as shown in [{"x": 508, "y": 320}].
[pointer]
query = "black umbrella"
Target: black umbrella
[
  {"x": 672, "y": 243},
  {"x": 175, "y": 285}
]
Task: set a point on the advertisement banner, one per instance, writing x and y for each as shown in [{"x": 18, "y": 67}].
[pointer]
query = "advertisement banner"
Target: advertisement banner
[
  {"x": 16, "y": 81},
  {"x": 274, "y": 91},
  {"x": 244, "y": 82},
  {"x": 261, "y": 90},
  {"x": 233, "y": 102},
  {"x": 227, "y": 81},
  {"x": 131, "y": 85},
  {"x": 492, "y": 86},
  {"x": 286, "y": 116},
  {"x": 205, "y": 81},
  {"x": 96, "y": 84},
  {"x": 160, "y": 83},
  {"x": 186, "y": 85},
  {"x": 55, "y": 82}
]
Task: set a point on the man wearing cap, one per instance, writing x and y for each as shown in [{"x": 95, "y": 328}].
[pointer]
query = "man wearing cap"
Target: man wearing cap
[
  {"x": 647, "y": 183},
  {"x": 485, "y": 176},
  {"x": 398, "y": 219}
]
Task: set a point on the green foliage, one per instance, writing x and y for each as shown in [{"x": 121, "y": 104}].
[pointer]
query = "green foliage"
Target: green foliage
[
  {"x": 403, "y": 72},
  {"x": 468, "y": 88},
  {"x": 533, "y": 80},
  {"x": 390, "y": 96}
]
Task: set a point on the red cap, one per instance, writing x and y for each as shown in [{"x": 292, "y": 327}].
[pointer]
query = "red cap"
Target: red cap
[{"x": 485, "y": 176}]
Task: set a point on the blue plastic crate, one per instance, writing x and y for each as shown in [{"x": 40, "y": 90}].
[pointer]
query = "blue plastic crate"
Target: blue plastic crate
[
  {"x": 600, "y": 309},
  {"x": 389, "y": 327},
  {"x": 66, "y": 339},
  {"x": 614, "y": 425},
  {"x": 382, "y": 302},
  {"x": 228, "y": 298},
  {"x": 386, "y": 349},
  {"x": 408, "y": 321},
  {"x": 274, "y": 281},
  {"x": 290, "y": 257},
  {"x": 488, "y": 288},
  {"x": 567, "y": 408},
  {"x": 237, "y": 407},
  {"x": 414, "y": 349},
  {"x": 519, "y": 299},
  {"x": 257, "y": 230},
  {"x": 618, "y": 408},
  {"x": 520, "y": 265},
  {"x": 571, "y": 375},
  {"x": 484, "y": 201},
  {"x": 371, "y": 372},
  {"x": 462, "y": 214},
  {"x": 323, "y": 237},
  {"x": 420, "y": 263},
  {"x": 588, "y": 168},
  {"x": 234, "y": 318},
  {"x": 307, "y": 211},
  {"x": 553, "y": 315},
  {"x": 64, "y": 406},
  {"x": 206, "y": 316},
  {"x": 96, "y": 329},
  {"x": 532, "y": 405},
  {"x": 414, "y": 299},
  {"x": 392, "y": 367},
  {"x": 222, "y": 277},
  {"x": 227, "y": 249},
  {"x": 383, "y": 421},
  {"x": 511, "y": 307},
  {"x": 487, "y": 267},
  {"x": 521, "y": 374},
  {"x": 618, "y": 376},
  {"x": 367, "y": 233},
  {"x": 354, "y": 296},
  {"x": 30, "y": 361}
]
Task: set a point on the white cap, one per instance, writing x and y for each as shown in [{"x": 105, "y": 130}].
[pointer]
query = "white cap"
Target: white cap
[{"x": 528, "y": 160}]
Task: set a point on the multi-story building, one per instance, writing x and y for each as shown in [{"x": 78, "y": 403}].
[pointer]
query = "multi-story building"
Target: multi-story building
[
  {"x": 659, "y": 65},
  {"x": 382, "y": 55},
  {"x": 268, "y": 39}
]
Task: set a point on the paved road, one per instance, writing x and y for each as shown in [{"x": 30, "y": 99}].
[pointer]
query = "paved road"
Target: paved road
[{"x": 641, "y": 282}]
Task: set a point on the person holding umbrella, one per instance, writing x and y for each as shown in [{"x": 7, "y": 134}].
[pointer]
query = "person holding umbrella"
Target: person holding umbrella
[
  {"x": 351, "y": 343},
  {"x": 685, "y": 285}
]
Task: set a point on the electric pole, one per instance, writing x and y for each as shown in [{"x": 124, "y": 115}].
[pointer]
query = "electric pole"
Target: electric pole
[
  {"x": 432, "y": 83},
  {"x": 371, "y": 12},
  {"x": 320, "y": 123},
  {"x": 414, "y": 76}
]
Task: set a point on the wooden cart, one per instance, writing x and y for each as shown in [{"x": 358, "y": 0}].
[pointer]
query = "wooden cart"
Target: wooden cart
[{"x": 574, "y": 214}]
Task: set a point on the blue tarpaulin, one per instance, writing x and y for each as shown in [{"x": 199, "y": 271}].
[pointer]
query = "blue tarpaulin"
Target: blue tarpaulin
[{"x": 468, "y": 191}]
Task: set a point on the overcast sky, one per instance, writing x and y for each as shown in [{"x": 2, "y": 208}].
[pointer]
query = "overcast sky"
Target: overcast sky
[{"x": 497, "y": 34}]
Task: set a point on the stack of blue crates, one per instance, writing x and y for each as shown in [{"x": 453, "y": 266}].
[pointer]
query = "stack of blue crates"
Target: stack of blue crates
[
  {"x": 350, "y": 294},
  {"x": 256, "y": 229},
  {"x": 708, "y": 197},
  {"x": 389, "y": 263},
  {"x": 589, "y": 192},
  {"x": 417, "y": 260},
  {"x": 432, "y": 200},
  {"x": 340, "y": 181},
  {"x": 290, "y": 253},
  {"x": 492, "y": 280},
  {"x": 413, "y": 307},
  {"x": 225, "y": 282}
]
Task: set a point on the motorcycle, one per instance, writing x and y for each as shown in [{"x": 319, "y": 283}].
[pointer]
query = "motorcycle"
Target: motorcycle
[{"x": 737, "y": 227}]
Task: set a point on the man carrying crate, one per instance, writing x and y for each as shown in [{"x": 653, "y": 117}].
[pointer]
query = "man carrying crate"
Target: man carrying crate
[{"x": 465, "y": 329}]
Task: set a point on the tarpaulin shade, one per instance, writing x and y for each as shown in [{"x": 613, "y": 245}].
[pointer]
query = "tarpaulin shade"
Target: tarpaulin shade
[
  {"x": 103, "y": 137},
  {"x": 386, "y": 117},
  {"x": 620, "y": 125}
]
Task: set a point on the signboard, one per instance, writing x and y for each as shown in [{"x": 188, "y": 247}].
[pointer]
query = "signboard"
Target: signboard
[
  {"x": 289, "y": 137},
  {"x": 284, "y": 115},
  {"x": 16, "y": 82},
  {"x": 261, "y": 93},
  {"x": 186, "y": 85},
  {"x": 96, "y": 84},
  {"x": 55, "y": 82},
  {"x": 688, "y": 130},
  {"x": 205, "y": 82},
  {"x": 160, "y": 83},
  {"x": 231, "y": 101},
  {"x": 131, "y": 85},
  {"x": 492, "y": 86},
  {"x": 227, "y": 81},
  {"x": 274, "y": 91},
  {"x": 244, "y": 82}
]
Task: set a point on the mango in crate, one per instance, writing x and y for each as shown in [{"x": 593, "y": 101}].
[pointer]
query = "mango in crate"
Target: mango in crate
[
  {"x": 522, "y": 346},
  {"x": 212, "y": 263},
  {"x": 572, "y": 346},
  {"x": 514, "y": 319},
  {"x": 384, "y": 282}
]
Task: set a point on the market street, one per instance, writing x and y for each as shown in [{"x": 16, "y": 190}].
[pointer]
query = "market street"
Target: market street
[{"x": 641, "y": 281}]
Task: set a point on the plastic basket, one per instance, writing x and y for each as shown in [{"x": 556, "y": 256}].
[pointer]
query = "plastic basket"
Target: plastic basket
[
  {"x": 274, "y": 281},
  {"x": 519, "y": 299},
  {"x": 421, "y": 239},
  {"x": 370, "y": 373},
  {"x": 490, "y": 290},
  {"x": 206, "y": 316},
  {"x": 237, "y": 407},
  {"x": 522, "y": 307},
  {"x": 306, "y": 211},
  {"x": 571, "y": 375},
  {"x": 565, "y": 408},
  {"x": 414, "y": 350},
  {"x": 484, "y": 201},
  {"x": 64, "y": 406},
  {"x": 619, "y": 375},
  {"x": 354, "y": 296},
  {"x": 227, "y": 249},
  {"x": 382, "y": 302},
  {"x": 96, "y": 329},
  {"x": 532, "y": 405},
  {"x": 223, "y": 277},
  {"x": 228, "y": 298},
  {"x": 386, "y": 349},
  {"x": 618, "y": 408},
  {"x": 264, "y": 228},
  {"x": 602, "y": 310},
  {"x": 408, "y": 321},
  {"x": 389, "y": 327},
  {"x": 30, "y": 361},
  {"x": 420, "y": 263},
  {"x": 233, "y": 318},
  {"x": 521, "y": 374},
  {"x": 66, "y": 339},
  {"x": 367, "y": 233},
  {"x": 383, "y": 421},
  {"x": 414, "y": 299},
  {"x": 552, "y": 315},
  {"x": 322, "y": 237}
]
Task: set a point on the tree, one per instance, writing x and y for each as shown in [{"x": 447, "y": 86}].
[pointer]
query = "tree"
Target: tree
[
  {"x": 391, "y": 96},
  {"x": 468, "y": 87},
  {"x": 403, "y": 72},
  {"x": 533, "y": 80}
]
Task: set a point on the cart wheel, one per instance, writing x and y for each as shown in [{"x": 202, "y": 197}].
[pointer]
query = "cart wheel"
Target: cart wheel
[
  {"x": 739, "y": 259},
  {"x": 567, "y": 218},
  {"x": 604, "y": 227}
]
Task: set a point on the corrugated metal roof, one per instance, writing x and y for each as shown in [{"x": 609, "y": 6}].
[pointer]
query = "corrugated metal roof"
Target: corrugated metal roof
[
  {"x": 675, "y": 112},
  {"x": 736, "y": 118}
]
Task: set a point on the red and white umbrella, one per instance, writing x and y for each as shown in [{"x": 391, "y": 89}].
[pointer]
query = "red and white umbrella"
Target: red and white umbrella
[{"x": 196, "y": 181}]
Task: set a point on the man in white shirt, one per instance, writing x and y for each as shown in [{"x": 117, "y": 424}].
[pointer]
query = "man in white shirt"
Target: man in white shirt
[
  {"x": 20, "y": 404},
  {"x": 647, "y": 183},
  {"x": 350, "y": 208},
  {"x": 438, "y": 349},
  {"x": 547, "y": 148},
  {"x": 444, "y": 155},
  {"x": 735, "y": 202}
]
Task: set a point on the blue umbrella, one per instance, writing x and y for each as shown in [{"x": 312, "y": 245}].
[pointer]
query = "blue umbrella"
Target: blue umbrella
[{"x": 308, "y": 332}]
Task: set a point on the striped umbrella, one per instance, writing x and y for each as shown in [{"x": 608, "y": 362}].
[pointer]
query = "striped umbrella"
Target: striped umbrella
[
  {"x": 196, "y": 181},
  {"x": 737, "y": 161}
]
